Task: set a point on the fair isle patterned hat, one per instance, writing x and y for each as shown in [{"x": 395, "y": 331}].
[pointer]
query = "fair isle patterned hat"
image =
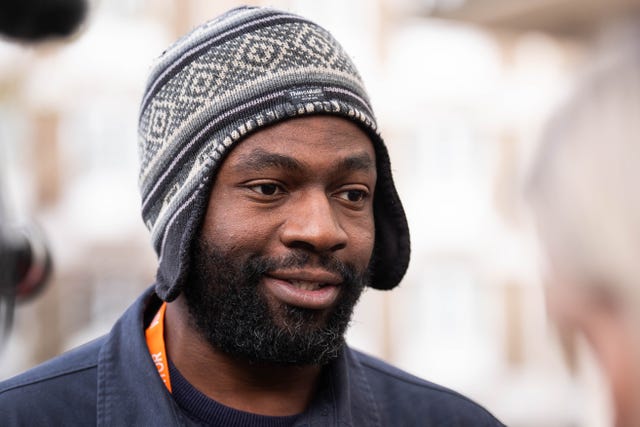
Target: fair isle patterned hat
[{"x": 234, "y": 75}]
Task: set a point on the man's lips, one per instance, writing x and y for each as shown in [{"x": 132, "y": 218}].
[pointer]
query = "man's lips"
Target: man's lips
[{"x": 309, "y": 288}]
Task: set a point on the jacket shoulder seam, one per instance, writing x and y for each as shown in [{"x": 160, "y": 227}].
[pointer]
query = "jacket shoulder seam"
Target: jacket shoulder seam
[
  {"x": 423, "y": 384},
  {"x": 427, "y": 385},
  {"x": 47, "y": 377}
]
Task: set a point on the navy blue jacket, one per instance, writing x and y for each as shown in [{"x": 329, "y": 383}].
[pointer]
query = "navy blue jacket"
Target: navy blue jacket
[{"x": 112, "y": 381}]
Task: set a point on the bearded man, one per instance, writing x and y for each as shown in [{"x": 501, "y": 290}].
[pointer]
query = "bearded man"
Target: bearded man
[{"x": 268, "y": 193}]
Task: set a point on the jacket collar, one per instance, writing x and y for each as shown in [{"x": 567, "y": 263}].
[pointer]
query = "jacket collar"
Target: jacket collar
[
  {"x": 344, "y": 396},
  {"x": 130, "y": 391}
]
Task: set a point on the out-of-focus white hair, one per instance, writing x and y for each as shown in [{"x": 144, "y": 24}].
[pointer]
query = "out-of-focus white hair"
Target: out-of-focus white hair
[{"x": 585, "y": 182}]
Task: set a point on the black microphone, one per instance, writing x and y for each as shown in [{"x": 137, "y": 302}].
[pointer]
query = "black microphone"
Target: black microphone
[
  {"x": 37, "y": 20},
  {"x": 27, "y": 262},
  {"x": 25, "y": 267}
]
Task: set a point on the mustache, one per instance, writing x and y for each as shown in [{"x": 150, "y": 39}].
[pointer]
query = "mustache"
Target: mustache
[{"x": 261, "y": 264}]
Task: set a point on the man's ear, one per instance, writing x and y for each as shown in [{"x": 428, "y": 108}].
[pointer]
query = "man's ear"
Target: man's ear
[
  {"x": 566, "y": 303},
  {"x": 590, "y": 311},
  {"x": 573, "y": 304}
]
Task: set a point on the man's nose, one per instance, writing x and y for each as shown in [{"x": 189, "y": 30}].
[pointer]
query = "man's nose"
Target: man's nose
[{"x": 312, "y": 224}]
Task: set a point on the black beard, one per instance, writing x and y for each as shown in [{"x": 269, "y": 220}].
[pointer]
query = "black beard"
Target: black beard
[{"x": 229, "y": 310}]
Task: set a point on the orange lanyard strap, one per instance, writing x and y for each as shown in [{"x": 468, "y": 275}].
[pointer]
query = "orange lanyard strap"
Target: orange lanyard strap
[{"x": 155, "y": 341}]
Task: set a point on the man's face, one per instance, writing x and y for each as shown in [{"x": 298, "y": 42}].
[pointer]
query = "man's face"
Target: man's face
[{"x": 286, "y": 242}]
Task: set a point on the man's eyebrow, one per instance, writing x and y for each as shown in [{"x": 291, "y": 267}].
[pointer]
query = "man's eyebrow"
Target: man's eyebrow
[
  {"x": 260, "y": 159},
  {"x": 357, "y": 162}
]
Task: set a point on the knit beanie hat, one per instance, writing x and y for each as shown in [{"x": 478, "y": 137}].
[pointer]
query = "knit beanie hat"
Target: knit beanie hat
[{"x": 230, "y": 77}]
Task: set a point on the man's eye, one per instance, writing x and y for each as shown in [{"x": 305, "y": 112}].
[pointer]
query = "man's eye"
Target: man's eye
[
  {"x": 353, "y": 196},
  {"x": 266, "y": 189}
]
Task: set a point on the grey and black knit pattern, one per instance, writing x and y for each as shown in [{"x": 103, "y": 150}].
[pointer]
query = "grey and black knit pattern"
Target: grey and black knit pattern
[{"x": 229, "y": 77}]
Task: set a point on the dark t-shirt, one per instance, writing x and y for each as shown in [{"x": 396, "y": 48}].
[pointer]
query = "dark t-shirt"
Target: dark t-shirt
[{"x": 204, "y": 411}]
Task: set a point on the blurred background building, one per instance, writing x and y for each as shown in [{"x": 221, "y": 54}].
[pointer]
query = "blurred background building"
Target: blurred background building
[{"x": 461, "y": 89}]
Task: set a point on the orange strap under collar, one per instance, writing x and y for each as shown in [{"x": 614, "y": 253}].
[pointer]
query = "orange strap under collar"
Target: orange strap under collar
[{"x": 155, "y": 341}]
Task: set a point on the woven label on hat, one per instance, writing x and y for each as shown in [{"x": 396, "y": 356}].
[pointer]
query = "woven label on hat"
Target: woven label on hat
[{"x": 303, "y": 95}]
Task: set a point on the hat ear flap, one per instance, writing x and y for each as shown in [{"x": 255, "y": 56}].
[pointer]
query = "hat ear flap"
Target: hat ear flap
[{"x": 393, "y": 246}]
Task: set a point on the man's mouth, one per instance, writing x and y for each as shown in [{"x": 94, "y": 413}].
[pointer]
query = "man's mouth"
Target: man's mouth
[
  {"x": 307, "y": 286},
  {"x": 313, "y": 289}
]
